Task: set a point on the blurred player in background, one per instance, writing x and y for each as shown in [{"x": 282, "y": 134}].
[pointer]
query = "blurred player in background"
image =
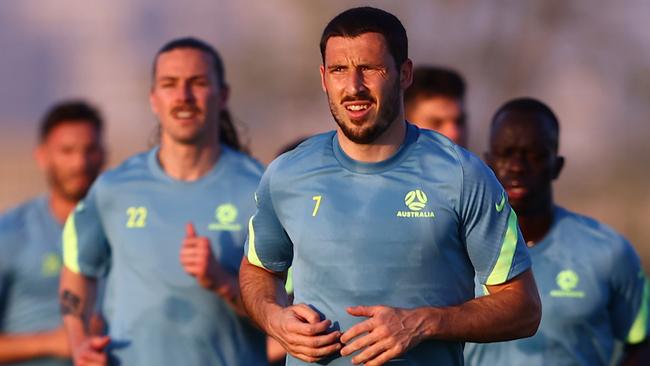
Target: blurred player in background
[
  {"x": 590, "y": 279},
  {"x": 384, "y": 225},
  {"x": 167, "y": 228},
  {"x": 436, "y": 101},
  {"x": 70, "y": 153}
]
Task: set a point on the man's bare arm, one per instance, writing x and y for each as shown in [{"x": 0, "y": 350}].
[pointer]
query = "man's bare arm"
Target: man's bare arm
[
  {"x": 77, "y": 295},
  {"x": 27, "y": 346},
  {"x": 511, "y": 310},
  {"x": 298, "y": 328}
]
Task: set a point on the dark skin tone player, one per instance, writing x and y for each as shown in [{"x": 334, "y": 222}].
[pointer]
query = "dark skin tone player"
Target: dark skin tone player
[{"x": 589, "y": 277}]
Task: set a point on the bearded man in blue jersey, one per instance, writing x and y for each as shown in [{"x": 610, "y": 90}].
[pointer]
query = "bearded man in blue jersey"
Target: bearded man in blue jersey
[
  {"x": 167, "y": 229},
  {"x": 71, "y": 154},
  {"x": 384, "y": 225},
  {"x": 592, "y": 286}
]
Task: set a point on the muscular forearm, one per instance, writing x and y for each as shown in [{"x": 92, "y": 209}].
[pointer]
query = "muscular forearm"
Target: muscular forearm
[
  {"x": 510, "y": 311},
  {"x": 22, "y": 347},
  {"x": 262, "y": 293},
  {"x": 77, "y": 297}
]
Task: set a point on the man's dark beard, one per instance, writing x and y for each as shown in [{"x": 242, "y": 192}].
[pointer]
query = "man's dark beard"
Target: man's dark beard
[
  {"x": 57, "y": 183},
  {"x": 385, "y": 118}
]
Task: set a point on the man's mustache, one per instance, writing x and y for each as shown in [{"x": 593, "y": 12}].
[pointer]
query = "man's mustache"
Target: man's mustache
[
  {"x": 364, "y": 96},
  {"x": 185, "y": 108}
]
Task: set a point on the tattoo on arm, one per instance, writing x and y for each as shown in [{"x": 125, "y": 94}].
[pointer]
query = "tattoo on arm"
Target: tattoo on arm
[{"x": 70, "y": 304}]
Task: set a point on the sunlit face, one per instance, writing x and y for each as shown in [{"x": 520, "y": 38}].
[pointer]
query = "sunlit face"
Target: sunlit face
[
  {"x": 441, "y": 114},
  {"x": 186, "y": 96},
  {"x": 364, "y": 86},
  {"x": 524, "y": 158},
  {"x": 71, "y": 156}
]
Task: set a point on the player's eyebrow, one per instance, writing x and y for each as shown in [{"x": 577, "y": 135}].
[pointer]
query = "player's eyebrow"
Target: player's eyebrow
[
  {"x": 174, "y": 78},
  {"x": 166, "y": 78},
  {"x": 336, "y": 66}
]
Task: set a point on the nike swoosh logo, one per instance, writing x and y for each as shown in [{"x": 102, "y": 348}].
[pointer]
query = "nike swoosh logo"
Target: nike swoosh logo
[{"x": 499, "y": 206}]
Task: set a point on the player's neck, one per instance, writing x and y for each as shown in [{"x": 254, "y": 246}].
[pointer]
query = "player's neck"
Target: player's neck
[
  {"x": 379, "y": 150},
  {"x": 188, "y": 162},
  {"x": 535, "y": 226},
  {"x": 60, "y": 206}
]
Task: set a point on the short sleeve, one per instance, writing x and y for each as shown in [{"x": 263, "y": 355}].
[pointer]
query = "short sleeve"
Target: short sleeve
[
  {"x": 10, "y": 236},
  {"x": 85, "y": 248},
  {"x": 5, "y": 279},
  {"x": 268, "y": 245},
  {"x": 630, "y": 295},
  {"x": 489, "y": 225}
]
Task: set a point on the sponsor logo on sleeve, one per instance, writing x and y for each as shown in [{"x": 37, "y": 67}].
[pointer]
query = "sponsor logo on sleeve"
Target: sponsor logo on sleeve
[{"x": 499, "y": 206}]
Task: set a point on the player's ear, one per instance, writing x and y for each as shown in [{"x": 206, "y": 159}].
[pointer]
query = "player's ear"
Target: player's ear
[
  {"x": 152, "y": 102},
  {"x": 322, "y": 78},
  {"x": 557, "y": 168},
  {"x": 40, "y": 155},
  {"x": 406, "y": 74}
]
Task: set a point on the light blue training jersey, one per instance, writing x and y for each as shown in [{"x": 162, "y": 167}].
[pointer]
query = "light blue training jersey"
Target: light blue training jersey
[
  {"x": 593, "y": 291},
  {"x": 30, "y": 263},
  {"x": 131, "y": 226},
  {"x": 406, "y": 232}
]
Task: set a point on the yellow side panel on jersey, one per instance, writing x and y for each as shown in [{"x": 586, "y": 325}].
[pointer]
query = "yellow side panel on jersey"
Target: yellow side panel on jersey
[
  {"x": 70, "y": 245},
  {"x": 501, "y": 269},
  {"x": 639, "y": 329},
  {"x": 252, "y": 253}
]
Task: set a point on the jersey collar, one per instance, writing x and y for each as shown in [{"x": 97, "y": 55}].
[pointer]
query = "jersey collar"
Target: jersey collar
[{"x": 412, "y": 133}]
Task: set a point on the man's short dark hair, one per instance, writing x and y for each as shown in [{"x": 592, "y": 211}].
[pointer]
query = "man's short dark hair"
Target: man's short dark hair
[
  {"x": 432, "y": 81},
  {"x": 357, "y": 21},
  {"x": 531, "y": 105},
  {"x": 70, "y": 111}
]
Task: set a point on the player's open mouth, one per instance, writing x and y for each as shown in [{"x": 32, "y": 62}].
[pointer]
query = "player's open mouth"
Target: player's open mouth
[
  {"x": 516, "y": 192},
  {"x": 357, "y": 109},
  {"x": 183, "y": 114}
]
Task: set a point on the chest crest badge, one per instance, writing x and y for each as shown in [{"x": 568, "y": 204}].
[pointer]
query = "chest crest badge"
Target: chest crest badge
[
  {"x": 416, "y": 202},
  {"x": 567, "y": 282},
  {"x": 51, "y": 265},
  {"x": 225, "y": 218}
]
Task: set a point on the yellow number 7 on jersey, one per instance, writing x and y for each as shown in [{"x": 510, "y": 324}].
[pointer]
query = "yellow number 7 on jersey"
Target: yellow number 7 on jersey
[{"x": 317, "y": 199}]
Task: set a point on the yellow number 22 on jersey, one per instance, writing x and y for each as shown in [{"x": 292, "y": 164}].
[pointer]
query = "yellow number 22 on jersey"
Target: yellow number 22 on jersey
[{"x": 137, "y": 217}]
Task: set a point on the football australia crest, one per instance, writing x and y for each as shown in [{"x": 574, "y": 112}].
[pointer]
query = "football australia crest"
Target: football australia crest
[
  {"x": 567, "y": 283},
  {"x": 416, "y": 202},
  {"x": 51, "y": 265},
  {"x": 226, "y": 218}
]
